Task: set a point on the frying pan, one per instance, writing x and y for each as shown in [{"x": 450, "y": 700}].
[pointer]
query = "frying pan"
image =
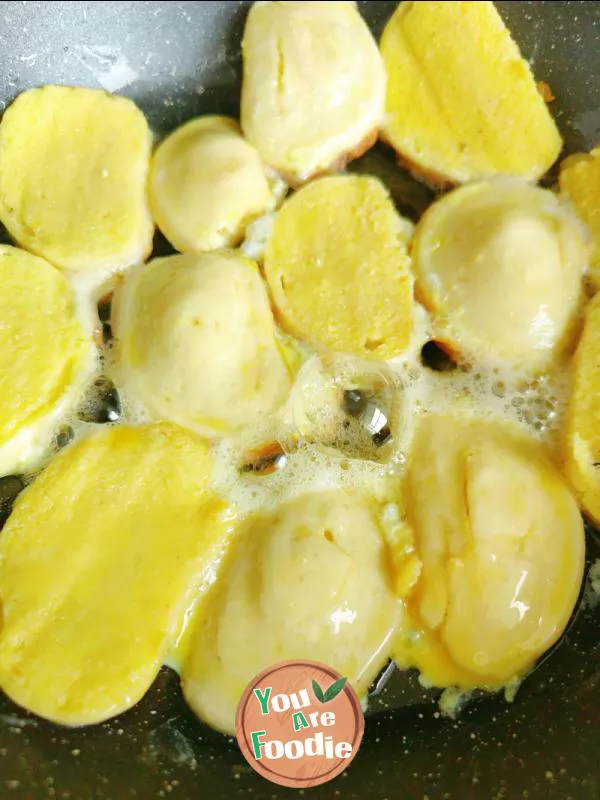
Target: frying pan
[{"x": 177, "y": 60}]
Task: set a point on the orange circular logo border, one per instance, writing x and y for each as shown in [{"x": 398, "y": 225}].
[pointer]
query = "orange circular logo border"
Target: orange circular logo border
[{"x": 346, "y": 701}]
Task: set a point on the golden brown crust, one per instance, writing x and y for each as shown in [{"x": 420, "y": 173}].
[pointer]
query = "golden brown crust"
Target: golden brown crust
[
  {"x": 422, "y": 297},
  {"x": 449, "y": 349},
  {"x": 546, "y": 91},
  {"x": 338, "y": 165},
  {"x": 442, "y": 341},
  {"x": 356, "y": 152},
  {"x": 434, "y": 180}
]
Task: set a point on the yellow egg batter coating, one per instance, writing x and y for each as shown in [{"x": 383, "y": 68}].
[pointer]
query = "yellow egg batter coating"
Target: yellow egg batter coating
[
  {"x": 582, "y": 420},
  {"x": 45, "y": 353},
  {"x": 500, "y": 265},
  {"x": 313, "y": 89},
  {"x": 338, "y": 267},
  {"x": 100, "y": 559},
  {"x": 462, "y": 103},
  {"x": 305, "y": 581},
  {"x": 580, "y": 183},
  {"x": 207, "y": 184},
  {"x": 502, "y": 548},
  {"x": 196, "y": 342},
  {"x": 73, "y": 177}
]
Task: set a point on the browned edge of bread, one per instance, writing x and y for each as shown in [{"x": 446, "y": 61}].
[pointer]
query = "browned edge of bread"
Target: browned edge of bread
[{"x": 338, "y": 165}]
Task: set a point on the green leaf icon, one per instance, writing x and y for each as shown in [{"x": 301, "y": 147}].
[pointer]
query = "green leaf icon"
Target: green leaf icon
[
  {"x": 318, "y": 691},
  {"x": 334, "y": 690}
]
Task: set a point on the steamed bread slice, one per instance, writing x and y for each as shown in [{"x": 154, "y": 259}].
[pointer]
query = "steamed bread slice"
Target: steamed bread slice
[
  {"x": 207, "y": 183},
  {"x": 580, "y": 183},
  {"x": 338, "y": 267},
  {"x": 45, "y": 355},
  {"x": 305, "y": 581},
  {"x": 73, "y": 177},
  {"x": 582, "y": 422},
  {"x": 196, "y": 342},
  {"x": 502, "y": 547},
  {"x": 462, "y": 103},
  {"x": 99, "y": 561},
  {"x": 314, "y": 86},
  {"x": 500, "y": 264}
]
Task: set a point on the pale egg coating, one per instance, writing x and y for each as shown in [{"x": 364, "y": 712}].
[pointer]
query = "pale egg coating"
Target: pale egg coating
[
  {"x": 500, "y": 265},
  {"x": 313, "y": 88},
  {"x": 502, "y": 547},
  {"x": 207, "y": 184},
  {"x": 305, "y": 581},
  {"x": 196, "y": 342}
]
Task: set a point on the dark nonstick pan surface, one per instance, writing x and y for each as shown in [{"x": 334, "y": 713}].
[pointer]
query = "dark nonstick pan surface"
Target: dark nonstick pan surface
[{"x": 177, "y": 60}]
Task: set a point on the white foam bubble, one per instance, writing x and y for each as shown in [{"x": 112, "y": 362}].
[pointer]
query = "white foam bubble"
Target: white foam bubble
[{"x": 497, "y": 391}]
